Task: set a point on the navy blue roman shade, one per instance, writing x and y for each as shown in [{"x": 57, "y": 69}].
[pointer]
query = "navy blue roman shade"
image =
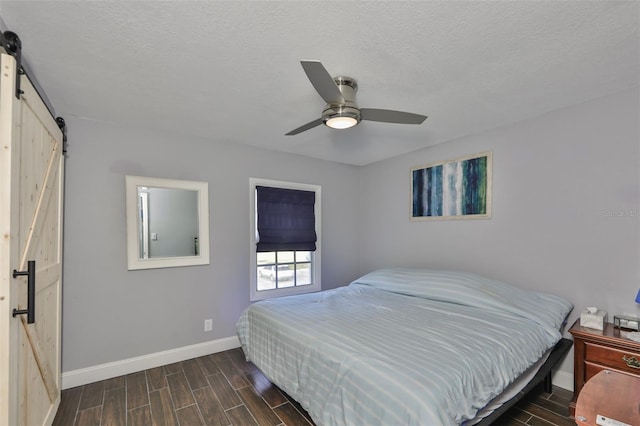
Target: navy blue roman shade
[{"x": 286, "y": 219}]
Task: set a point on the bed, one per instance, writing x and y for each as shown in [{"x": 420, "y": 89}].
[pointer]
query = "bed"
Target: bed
[{"x": 403, "y": 346}]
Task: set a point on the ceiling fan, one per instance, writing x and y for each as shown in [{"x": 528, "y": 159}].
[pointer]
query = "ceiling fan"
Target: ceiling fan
[{"x": 341, "y": 111}]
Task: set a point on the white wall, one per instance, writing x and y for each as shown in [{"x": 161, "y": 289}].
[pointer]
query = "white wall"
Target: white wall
[
  {"x": 111, "y": 314},
  {"x": 566, "y": 208}
]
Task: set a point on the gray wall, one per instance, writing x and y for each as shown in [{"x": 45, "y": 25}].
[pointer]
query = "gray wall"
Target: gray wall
[
  {"x": 566, "y": 208},
  {"x": 112, "y": 314}
]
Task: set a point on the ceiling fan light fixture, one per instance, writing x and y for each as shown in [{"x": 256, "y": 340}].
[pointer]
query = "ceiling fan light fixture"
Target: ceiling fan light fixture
[
  {"x": 341, "y": 117},
  {"x": 341, "y": 122}
]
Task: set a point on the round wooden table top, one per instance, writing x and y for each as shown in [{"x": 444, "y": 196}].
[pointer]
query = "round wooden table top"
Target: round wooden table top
[{"x": 616, "y": 396}]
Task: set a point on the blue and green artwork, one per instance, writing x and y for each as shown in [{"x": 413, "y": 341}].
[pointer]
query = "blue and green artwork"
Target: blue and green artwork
[{"x": 452, "y": 189}]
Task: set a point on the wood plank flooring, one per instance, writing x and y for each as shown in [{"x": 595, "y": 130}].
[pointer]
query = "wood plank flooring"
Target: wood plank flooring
[{"x": 224, "y": 389}]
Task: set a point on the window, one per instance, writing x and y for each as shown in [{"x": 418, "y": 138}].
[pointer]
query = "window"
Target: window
[{"x": 284, "y": 261}]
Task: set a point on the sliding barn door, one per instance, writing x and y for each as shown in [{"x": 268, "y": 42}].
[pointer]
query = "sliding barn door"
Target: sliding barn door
[{"x": 31, "y": 185}]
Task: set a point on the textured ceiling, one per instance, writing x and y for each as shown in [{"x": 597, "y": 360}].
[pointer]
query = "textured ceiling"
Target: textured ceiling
[{"x": 230, "y": 70}]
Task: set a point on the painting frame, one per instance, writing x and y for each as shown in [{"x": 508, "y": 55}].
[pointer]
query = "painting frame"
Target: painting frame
[{"x": 455, "y": 189}]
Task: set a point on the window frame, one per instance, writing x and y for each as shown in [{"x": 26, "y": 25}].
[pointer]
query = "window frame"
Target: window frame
[{"x": 316, "y": 255}]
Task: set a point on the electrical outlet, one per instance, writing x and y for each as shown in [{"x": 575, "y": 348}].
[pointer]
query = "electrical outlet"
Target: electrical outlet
[{"x": 208, "y": 325}]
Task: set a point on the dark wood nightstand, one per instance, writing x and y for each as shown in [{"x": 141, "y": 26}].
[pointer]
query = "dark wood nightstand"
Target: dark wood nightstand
[{"x": 597, "y": 350}]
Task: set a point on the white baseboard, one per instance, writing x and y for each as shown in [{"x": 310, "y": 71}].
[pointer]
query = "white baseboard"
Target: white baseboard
[
  {"x": 563, "y": 379},
  {"x": 96, "y": 373}
]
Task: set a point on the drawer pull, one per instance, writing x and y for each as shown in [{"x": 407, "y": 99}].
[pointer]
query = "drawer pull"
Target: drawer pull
[{"x": 631, "y": 362}]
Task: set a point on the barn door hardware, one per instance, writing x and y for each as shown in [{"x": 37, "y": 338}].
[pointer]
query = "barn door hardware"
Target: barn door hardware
[
  {"x": 31, "y": 292},
  {"x": 63, "y": 127},
  {"x": 12, "y": 44}
]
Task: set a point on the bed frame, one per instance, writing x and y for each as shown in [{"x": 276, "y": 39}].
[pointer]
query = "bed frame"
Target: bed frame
[{"x": 542, "y": 376}]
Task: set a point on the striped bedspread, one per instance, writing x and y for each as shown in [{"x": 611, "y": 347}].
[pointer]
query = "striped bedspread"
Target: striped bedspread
[{"x": 401, "y": 346}]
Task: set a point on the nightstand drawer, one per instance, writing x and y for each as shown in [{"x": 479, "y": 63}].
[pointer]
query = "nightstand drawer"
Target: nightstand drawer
[
  {"x": 591, "y": 370},
  {"x": 621, "y": 360}
]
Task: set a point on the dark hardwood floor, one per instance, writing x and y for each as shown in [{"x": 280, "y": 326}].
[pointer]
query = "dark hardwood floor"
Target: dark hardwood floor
[{"x": 223, "y": 389}]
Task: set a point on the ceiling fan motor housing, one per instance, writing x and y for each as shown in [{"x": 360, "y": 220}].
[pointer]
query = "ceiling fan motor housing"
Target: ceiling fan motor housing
[{"x": 348, "y": 109}]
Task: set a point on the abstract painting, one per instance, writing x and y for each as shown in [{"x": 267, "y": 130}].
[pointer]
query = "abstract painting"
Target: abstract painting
[{"x": 454, "y": 189}]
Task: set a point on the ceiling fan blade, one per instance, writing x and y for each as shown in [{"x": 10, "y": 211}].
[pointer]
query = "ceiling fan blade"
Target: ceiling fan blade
[
  {"x": 309, "y": 125},
  {"x": 391, "y": 116},
  {"x": 322, "y": 82}
]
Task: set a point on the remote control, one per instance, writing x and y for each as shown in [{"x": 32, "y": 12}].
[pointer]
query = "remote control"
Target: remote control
[{"x": 606, "y": 421}]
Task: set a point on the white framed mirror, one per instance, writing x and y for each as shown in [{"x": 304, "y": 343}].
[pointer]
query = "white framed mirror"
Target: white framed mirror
[{"x": 167, "y": 222}]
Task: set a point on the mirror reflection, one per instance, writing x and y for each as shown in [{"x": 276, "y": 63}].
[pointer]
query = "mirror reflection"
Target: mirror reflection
[{"x": 167, "y": 222}]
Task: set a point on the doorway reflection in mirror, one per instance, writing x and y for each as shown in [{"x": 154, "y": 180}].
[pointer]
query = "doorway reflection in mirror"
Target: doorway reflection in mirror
[{"x": 167, "y": 222}]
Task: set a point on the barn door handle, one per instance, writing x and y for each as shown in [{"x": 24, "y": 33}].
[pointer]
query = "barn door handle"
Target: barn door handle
[{"x": 31, "y": 292}]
